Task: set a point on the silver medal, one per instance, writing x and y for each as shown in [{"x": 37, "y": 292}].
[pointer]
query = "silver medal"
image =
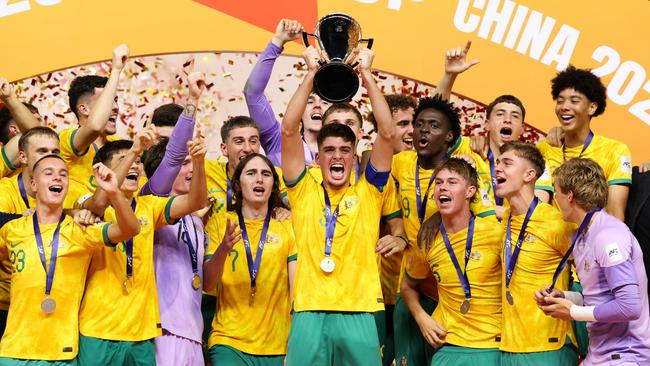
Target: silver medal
[
  {"x": 327, "y": 265},
  {"x": 48, "y": 305}
]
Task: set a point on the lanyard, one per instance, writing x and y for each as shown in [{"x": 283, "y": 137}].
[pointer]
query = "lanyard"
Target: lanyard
[
  {"x": 590, "y": 137},
  {"x": 497, "y": 200},
  {"x": 21, "y": 188},
  {"x": 49, "y": 272},
  {"x": 358, "y": 172},
  {"x": 511, "y": 258},
  {"x": 254, "y": 267},
  {"x": 330, "y": 222},
  {"x": 228, "y": 190},
  {"x": 462, "y": 275},
  {"x": 129, "y": 250},
  {"x": 421, "y": 203},
  {"x": 185, "y": 236},
  {"x": 576, "y": 236}
]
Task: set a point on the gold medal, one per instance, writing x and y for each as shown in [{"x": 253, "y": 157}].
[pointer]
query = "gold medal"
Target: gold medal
[
  {"x": 327, "y": 265},
  {"x": 464, "y": 307},
  {"x": 196, "y": 282},
  {"x": 128, "y": 285},
  {"x": 509, "y": 297},
  {"x": 48, "y": 305},
  {"x": 252, "y": 298}
]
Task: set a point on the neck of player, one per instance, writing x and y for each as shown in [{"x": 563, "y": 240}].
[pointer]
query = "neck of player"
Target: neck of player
[
  {"x": 27, "y": 177},
  {"x": 310, "y": 139},
  {"x": 457, "y": 221},
  {"x": 254, "y": 210},
  {"x": 48, "y": 214},
  {"x": 577, "y": 137},
  {"x": 521, "y": 200},
  {"x": 495, "y": 148},
  {"x": 432, "y": 162}
]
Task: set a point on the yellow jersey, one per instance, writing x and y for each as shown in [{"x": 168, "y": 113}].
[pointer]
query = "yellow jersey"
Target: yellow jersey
[
  {"x": 30, "y": 333},
  {"x": 260, "y": 328},
  {"x": 108, "y": 311},
  {"x": 6, "y": 167},
  {"x": 613, "y": 156},
  {"x": 389, "y": 267},
  {"x": 353, "y": 285},
  {"x": 481, "y": 326},
  {"x": 525, "y": 327}
]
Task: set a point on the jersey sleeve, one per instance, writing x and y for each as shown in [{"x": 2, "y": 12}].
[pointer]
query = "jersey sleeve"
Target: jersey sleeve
[
  {"x": 391, "y": 207},
  {"x": 94, "y": 235},
  {"x": 416, "y": 267},
  {"x": 291, "y": 240},
  {"x": 612, "y": 247},
  {"x": 68, "y": 151},
  {"x": 162, "y": 210},
  {"x": 6, "y": 167},
  {"x": 619, "y": 165}
]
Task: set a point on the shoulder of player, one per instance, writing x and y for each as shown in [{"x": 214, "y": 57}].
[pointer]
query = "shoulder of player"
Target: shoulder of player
[
  {"x": 8, "y": 181},
  {"x": 404, "y": 156},
  {"x": 548, "y": 216},
  {"x": 600, "y": 140},
  {"x": 607, "y": 229},
  {"x": 488, "y": 224}
]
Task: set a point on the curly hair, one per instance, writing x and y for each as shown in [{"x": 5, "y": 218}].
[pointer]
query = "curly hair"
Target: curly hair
[
  {"x": 583, "y": 81},
  {"x": 444, "y": 107}
]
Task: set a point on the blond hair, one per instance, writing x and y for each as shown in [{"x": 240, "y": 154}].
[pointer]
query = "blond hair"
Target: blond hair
[{"x": 585, "y": 179}]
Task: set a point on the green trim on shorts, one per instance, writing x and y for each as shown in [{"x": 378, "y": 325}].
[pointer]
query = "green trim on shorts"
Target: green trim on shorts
[
  {"x": 17, "y": 362},
  {"x": 565, "y": 356},
  {"x": 220, "y": 354},
  {"x": 451, "y": 355},
  {"x": 100, "y": 352},
  {"x": 293, "y": 183},
  {"x": 410, "y": 345},
  {"x": 6, "y": 159}
]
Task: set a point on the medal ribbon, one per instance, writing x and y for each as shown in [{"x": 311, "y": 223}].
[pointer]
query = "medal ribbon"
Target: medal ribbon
[
  {"x": 462, "y": 275},
  {"x": 330, "y": 222},
  {"x": 511, "y": 258},
  {"x": 590, "y": 137},
  {"x": 21, "y": 188},
  {"x": 129, "y": 249},
  {"x": 421, "y": 204},
  {"x": 497, "y": 200},
  {"x": 49, "y": 279},
  {"x": 185, "y": 236},
  {"x": 576, "y": 236},
  {"x": 254, "y": 267}
]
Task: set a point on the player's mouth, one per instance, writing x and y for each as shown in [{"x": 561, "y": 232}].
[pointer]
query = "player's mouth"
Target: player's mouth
[
  {"x": 500, "y": 180},
  {"x": 337, "y": 171},
  {"x": 566, "y": 118},
  {"x": 259, "y": 191},
  {"x": 423, "y": 142},
  {"x": 506, "y": 134},
  {"x": 56, "y": 188},
  {"x": 316, "y": 116},
  {"x": 188, "y": 177},
  {"x": 408, "y": 142},
  {"x": 133, "y": 176},
  {"x": 444, "y": 199}
]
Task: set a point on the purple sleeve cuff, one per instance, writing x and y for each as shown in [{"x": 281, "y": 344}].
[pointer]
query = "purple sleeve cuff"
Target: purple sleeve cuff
[
  {"x": 622, "y": 281},
  {"x": 160, "y": 184},
  {"x": 259, "y": 107}
]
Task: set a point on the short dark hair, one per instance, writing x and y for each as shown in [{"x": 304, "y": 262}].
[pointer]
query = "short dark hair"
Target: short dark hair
[
  {"x": 35, "y": 131},
  {"x": 48, "y": 156},
  {"x": 464, "y": 169},
  {"x": 82, "y": 86},
  {"x": 166, "y": 115},
  {"x": 106, "y": 152},
  {"x": 343, "y": 107},
  {"x": 396, "y": 102},
  {"x": 275, "y": 200},
  {"x": 236, "y": 122},
  {"x": 443, "y": 106},
  {"x": 6, "y": 118},
  {"x": 506, "y": 98},
  {"x": 583, "y": 81},
  {"x": 154, "y": 156},
  {"x": 336, "y": 130},
  {"x": 528, "y": 152}
]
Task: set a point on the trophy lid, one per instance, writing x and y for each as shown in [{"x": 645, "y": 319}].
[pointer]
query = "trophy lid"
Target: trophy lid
[{"x": 338, "y": 35}]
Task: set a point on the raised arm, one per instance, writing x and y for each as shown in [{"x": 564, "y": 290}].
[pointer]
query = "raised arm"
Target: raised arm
[
  {"x": 293, "y": 156},
  {"x": 382, "y": 149},
  {"x": 197, "y": 197},
  {"x": 213, "y": 267},
  {"x": 127, "y": 224},
  {"x": 160, "y": 183},
  {"x": 23, "y": 117},
  {"x": 455, "y": 63},
  {"x": 102, "y": 108},
  {"x": 259, "y": 107}
]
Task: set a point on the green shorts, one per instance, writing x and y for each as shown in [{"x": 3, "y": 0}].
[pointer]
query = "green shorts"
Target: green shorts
[
  {"x": 100, "y": 352},
  {"x": 565, "y": 356},
  {"x": 17, "y": 362},
  {"x": 225, "y": 355},
  {"x": 208, "y": 308},
  {"x": 410, "y": 346},
  {"x": 449, "y": 355},
  {"x": 580, "y": 328},
  {"x": 333, "y": 339},
  {"x": 385, "y": 332}
]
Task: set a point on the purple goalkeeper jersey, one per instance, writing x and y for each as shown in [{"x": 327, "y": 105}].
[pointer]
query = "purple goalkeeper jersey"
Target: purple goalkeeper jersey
[
  {"x": 607, "y": 243},
  {"x": 180, "y": 304}
]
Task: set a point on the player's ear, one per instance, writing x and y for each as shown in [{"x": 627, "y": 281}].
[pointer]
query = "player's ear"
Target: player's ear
[{"x": 471, "y": 191}]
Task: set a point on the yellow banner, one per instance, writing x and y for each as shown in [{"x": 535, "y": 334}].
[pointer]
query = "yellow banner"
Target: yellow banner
[{"x": 521, "y": 44}]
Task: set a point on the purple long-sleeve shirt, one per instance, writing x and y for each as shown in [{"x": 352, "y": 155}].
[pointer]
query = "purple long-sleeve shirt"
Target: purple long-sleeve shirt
[
  {"x": 609, "y": 263},
  {"x": 162, "y": 180},
  {"x": 260, "y": 109}
]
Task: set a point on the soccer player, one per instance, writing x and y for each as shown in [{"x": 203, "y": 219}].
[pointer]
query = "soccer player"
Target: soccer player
[
  {"x": 579, "y": 96},
  {"x": 124, "y": 276},
  {"x": 609, "y": 262},
  {"x": 49, "y": 256},
  {"x": 466, "y": 264},
  {"x": 536, "y": 239},
  {"x": 260, "y": 109},
  {"x": 93, "y": 101},
  {"x": 336, "y": 245},
  {"x": 254, "y": 268},
  {"x": 402, "y": 107},
  {"x": 166, "y": 116}
]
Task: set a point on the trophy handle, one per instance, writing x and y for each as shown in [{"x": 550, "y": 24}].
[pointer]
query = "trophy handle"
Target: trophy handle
[
  {"x": 369, "y": 42},
  {"x": 305, "y": 38}
]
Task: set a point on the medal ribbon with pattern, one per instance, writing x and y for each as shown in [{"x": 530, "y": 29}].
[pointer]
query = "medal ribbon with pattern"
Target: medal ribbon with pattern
[
  {"x": 48, "y": 305},
  {"x": 590, "y": 137},
  {"x": 462, "y": 275},
  {"x": 23, "y": 191},
  {"x": 497, "y": 200},
  {"x": 185, "y": 236},
  {"x": 512, "y": 255},
  {"x": 327, "y": 264},
  {"x": 253, "y": 266},
  {"x": 128, "y": 248},
  {"x": 421, "y": 203}
]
